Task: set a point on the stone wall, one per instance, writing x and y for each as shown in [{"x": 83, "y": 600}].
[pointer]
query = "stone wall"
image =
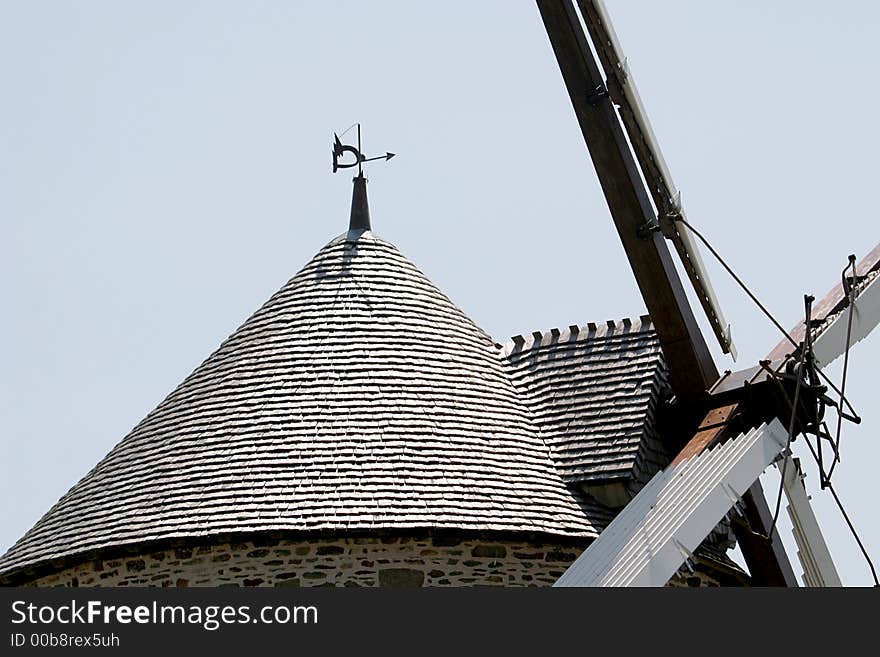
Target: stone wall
[
  {"x": 696, "y": 579},
  {"x": 389, "y": 561}
]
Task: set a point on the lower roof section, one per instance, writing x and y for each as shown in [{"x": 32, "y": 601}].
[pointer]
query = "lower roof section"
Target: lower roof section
[{"x": 593, "y": 392}]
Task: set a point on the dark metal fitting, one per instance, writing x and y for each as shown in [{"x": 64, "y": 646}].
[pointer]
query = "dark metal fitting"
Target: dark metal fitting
[
  {"x": 646, "y": 230},
  {"x": 597, "y": 94}
]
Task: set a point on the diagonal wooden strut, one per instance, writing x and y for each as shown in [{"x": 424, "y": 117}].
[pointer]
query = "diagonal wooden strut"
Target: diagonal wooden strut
[{"x": 691, "y": 368}]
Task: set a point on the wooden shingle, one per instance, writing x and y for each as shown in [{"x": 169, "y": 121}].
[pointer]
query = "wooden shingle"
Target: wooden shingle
[{"x": 357, "y": 398}]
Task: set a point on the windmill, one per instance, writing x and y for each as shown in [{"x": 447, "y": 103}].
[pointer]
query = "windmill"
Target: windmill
[
  {"x": 258, "y": 382},
  {"x": 731, "y": 425}
]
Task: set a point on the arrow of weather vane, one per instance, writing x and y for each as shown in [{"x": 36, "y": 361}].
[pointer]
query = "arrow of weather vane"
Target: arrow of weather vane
[{"x": 340, "y": 149}]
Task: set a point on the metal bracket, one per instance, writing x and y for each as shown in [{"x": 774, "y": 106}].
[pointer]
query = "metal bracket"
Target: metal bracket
[
  {"x": 597, "y": 94},
  {"x": 646, "y": 230}
]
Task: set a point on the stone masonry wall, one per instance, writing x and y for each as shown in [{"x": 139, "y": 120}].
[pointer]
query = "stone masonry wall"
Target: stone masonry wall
[{"x": 388, "y": 561}]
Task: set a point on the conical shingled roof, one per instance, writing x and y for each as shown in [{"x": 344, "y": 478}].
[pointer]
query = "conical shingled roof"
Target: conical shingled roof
[{"x": 359, "y": 397}]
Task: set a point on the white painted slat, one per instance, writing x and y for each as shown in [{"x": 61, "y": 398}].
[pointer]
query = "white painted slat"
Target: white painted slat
[
  {"x": 681, "y": 488},
  {"x": 654, "y": 534},
  {"x": 831, "y": 339},
  {"x": 813, "y": 552}
]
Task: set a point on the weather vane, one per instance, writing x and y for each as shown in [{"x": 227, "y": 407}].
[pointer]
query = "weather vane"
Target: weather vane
[{"x": 340, "y": 149}]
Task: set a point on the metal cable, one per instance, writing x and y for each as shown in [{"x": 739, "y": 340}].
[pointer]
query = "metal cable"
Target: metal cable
[
  {"x": 843, "y": 400},
  {"x": 766, "y": 312},
  {"x": 849, "y": 524},
  {"x": 851, "y": 302},
  {"x": 738, "y": 280},
  {"x": 823, "y": 476},
  {"x": 810, "y": 375},
  {"x": 825, "y": 483},
  {"x": 786, "y": 452}
]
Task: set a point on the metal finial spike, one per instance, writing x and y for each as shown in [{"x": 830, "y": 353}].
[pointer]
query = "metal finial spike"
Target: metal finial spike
[{"x": 360, "y": 209}]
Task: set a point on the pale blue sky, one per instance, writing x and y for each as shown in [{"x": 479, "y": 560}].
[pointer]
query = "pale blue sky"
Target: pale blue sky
[{"x": 165, "y": 167}]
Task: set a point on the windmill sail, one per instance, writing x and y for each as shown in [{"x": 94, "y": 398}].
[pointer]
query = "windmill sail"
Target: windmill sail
[
  {"x": 667, "y": 199},
  {"x": 691, "y": 368},
  {"x": 642, "y": 200},
  {"x": 661, "y": 527},
  {"x": 829, "y": 335}
]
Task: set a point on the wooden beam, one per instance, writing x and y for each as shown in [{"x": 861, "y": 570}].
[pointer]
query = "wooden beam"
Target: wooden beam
[
  {"x": 691, "y": 368},
  {"x": 715, "y": 422}
]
